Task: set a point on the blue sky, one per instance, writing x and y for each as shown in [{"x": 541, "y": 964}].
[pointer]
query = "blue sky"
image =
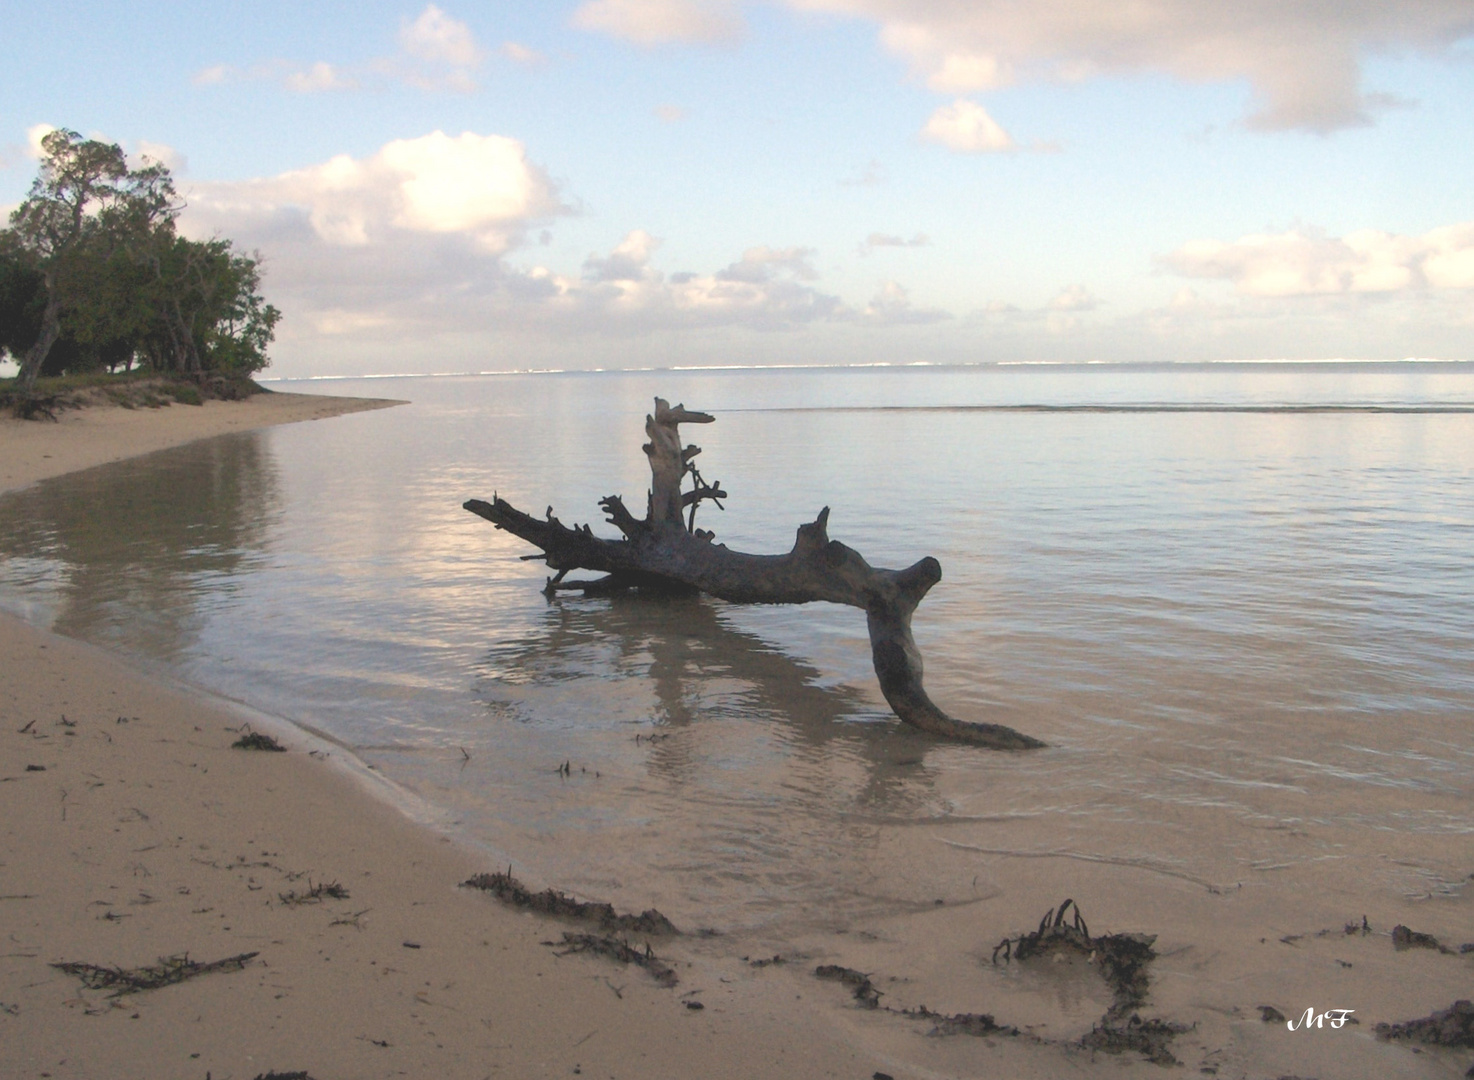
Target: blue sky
[{"x": 667, "y": 182}]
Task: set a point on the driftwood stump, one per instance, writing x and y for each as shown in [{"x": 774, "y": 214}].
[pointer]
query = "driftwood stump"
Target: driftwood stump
[{"x": 665, "y": 551}]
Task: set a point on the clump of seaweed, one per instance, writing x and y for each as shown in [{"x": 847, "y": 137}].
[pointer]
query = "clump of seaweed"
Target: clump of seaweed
[
  {"x": 255, "y": 740},
  {"x": 1453, "y": 1026},
  {"x": 1405, "y": 938},
  {"x": 979, "y": 1024},
  {"x": 169, "y": 970},
  {"x": 861, "y": 987},
  {"x": 552, "y": 902},
  {"x": 621, "y": 950},
  {"x": 314, "y": 894},
  {"x": 1123, "y": 961},
  {"x": 1150, "y": 1038}
]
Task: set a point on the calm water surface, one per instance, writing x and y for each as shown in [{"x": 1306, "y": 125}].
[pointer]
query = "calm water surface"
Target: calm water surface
[{"x": 1245, "y": 634}]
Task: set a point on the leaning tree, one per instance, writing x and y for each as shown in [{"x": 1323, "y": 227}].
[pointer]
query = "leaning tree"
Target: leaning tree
[{"x": 664, "y": 551}]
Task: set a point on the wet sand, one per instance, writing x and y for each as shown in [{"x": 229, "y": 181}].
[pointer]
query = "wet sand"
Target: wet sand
[{"x": 130, "y": 830}]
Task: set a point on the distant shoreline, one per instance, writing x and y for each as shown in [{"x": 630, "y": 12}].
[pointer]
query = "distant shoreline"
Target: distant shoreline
[{"x": 34, "y": 450}]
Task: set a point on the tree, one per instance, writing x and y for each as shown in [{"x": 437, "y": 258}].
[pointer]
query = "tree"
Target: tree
[
  {"x": 78, "y": 182},
  {"x": 665, "y": 551},
  {"x": 94, "y": 273}
]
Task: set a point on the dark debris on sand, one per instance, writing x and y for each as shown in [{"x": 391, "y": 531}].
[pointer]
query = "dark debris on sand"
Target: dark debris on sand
[
  {"x": 1123, "y": 961},
  {"x": 1453, "y": 1026},
  {"x": 861, "y": 987},
  {"x": 169, "y": 970},
  {"x": 979, "y": 1024},
  {"x": 618, "y": 949},
  {"x": 255, "y": 740},
  {"x": 552, "y": 902},
  {"x": 314, "y": 894}
]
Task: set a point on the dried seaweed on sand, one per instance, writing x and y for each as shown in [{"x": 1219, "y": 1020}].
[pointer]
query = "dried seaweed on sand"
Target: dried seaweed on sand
[
  {"x": 552, "y": 902},
  {"x": 169, "y": 970},
  {"x": 623, "y": 951}
]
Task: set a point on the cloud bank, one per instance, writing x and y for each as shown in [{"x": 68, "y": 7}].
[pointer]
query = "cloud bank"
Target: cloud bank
[
  {"x": 1301, "y": 58},
  {"x": 1309, "y": 263}
]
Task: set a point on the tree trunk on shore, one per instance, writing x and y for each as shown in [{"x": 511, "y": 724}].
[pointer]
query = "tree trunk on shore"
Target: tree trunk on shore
[
  {"x": 666, "y": 551},
  {"x": 50, "y": 330}
]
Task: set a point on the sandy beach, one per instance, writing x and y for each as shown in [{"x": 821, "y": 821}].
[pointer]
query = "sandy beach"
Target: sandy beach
[
  {"x": 133, "y": 832},
  {"x": 339, "y": 941}
]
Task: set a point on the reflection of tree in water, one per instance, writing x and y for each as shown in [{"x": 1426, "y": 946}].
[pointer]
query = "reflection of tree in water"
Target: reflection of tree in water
[
  {"x": 130, "y": 545},
  {"x": 633, "y": 659}
]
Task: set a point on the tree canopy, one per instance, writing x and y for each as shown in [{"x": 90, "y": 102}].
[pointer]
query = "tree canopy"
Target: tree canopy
[{"x": 94, "y": 274}]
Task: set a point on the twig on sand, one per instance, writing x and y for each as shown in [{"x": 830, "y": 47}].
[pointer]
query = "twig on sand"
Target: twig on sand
[
  {"x": 315, "y": 894},
  {"x": 169, "y": 970}
]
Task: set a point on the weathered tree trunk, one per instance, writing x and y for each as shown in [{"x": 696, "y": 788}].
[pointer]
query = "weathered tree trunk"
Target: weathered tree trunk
[
  {"x": 50, "y": 330},
  {"x": 665, "y": 551}
]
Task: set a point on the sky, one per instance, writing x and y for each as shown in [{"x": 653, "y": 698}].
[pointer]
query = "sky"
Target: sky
[{"x": 663, "y": 183}]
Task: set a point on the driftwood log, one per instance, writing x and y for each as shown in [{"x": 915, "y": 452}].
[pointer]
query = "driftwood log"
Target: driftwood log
[{"x": 665, "y": 551}]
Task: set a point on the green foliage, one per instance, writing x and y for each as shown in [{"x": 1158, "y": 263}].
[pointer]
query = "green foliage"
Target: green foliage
[{"x": 94, "y": 275}]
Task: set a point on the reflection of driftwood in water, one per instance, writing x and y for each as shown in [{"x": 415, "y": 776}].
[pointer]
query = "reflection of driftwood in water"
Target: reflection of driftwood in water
[
  {"x": 665, "y": 551},
  {"x": 685, "y": 647}
]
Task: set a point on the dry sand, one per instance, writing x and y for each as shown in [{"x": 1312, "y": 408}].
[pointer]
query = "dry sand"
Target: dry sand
[
  {"x": 34, "y": 450},
  {"x": 130, "y": 830}
]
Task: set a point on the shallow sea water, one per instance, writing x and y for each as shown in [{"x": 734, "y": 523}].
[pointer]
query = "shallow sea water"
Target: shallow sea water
[{"x": 1242, "y": 620}]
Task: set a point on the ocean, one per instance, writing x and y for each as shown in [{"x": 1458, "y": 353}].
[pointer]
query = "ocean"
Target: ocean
[{"x": 1236, "y": 601}]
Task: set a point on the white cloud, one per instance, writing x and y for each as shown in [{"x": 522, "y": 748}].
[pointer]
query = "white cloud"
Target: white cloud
[
  {"x": 762, "y": 290},
  {"x": 418, "y": 240},
  {"x": 1302, "y": 59},
  {"x": 1307, "y": 262},
  {"x": 164, "y": 154},
  {"x": 478, "y": 186},
  {"x": 437, "y": 38},
  {"x": 660, "y": 22},
  {"x": 670, "y": 114},
  {"x": 891, "y": 306},
  {"x": 319, "y": 77},
  {"x": 522, "y": 54},
  {"x": 966, "y": 127},
  {"x": 760, "y": 264},
  {"x": 886, "y": 240},
  {"x": 34, "y": 134},
  {"x": 436, "y": 52},
  {"x": 1074, "y": 298}
]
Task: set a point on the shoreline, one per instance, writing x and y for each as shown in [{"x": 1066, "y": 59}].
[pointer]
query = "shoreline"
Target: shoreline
[
  {"x": 131, "y": 831},
  {"x": 141, "y": 834},
  {"x": 35, "y": 450}
]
